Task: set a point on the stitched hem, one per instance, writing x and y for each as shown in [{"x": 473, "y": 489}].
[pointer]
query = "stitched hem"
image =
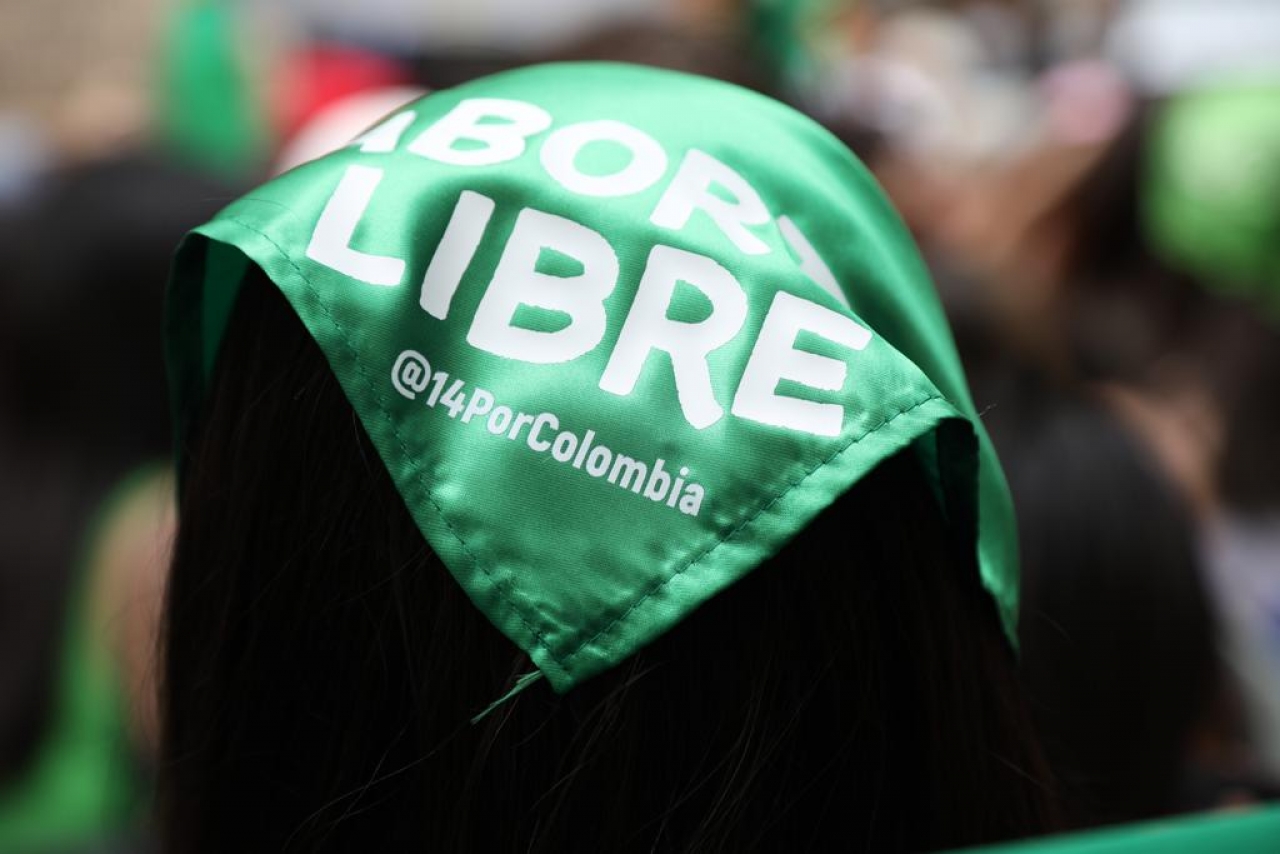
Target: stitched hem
[
  {"x": 710, "y": 550},
  {"x": 502, "y": 587},
  {"x": 380, "y": 400}
]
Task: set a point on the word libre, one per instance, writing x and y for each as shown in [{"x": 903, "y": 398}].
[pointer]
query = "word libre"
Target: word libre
[{"x": 483, "y": 132}]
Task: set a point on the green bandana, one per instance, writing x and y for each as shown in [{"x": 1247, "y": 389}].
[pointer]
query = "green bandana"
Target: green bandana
[{"x": 617, "y": 333}]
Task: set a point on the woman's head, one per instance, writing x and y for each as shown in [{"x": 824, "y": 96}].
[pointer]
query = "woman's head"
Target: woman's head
[
  {"x": 533, "y": 360},
  {"x": 323, "y": 667}
]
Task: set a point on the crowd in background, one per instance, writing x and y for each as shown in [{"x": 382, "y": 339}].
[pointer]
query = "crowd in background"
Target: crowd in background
[{"x": 1095, "y": 185}]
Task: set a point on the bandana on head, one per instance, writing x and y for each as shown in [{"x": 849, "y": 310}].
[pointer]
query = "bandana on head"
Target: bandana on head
[{"x": 617, "y": 334}]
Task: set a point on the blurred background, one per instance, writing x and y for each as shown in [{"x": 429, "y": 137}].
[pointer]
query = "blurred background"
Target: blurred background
[{"x": 1095, "y": 185}]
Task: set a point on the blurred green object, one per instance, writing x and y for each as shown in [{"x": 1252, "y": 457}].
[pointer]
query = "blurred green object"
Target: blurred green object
[
  {"x": 1256, "y": 831},
  {"x": 82, "y": 784},
  {"x": 1211, "y": 188},
  {"x": 208, "y": 113},
  {"x": 783, "y": 31}
]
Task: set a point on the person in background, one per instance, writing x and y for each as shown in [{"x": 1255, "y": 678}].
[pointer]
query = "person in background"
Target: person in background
[
  {"x": 83, "y": 422},
  {"x": 1118, "y": 632}
]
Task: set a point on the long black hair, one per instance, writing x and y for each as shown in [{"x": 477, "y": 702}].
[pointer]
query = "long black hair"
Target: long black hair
[{"x": 321, "y": 670}]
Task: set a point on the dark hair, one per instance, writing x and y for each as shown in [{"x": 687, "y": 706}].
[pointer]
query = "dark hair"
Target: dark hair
[
  {"x": 322, "y": 668},
  {"x": 1117, "y": 630}
]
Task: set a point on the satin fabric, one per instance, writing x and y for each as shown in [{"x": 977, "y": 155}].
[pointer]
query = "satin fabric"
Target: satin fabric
[{"x": 579, "y": 571}]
